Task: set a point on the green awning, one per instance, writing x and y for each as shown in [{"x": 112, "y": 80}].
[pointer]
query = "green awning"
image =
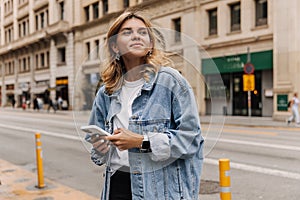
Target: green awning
[{"x": 261, "y": 60}]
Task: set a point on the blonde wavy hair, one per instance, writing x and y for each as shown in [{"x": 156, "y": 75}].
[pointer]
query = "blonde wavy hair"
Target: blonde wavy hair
[{"x": 112, "y": 75}]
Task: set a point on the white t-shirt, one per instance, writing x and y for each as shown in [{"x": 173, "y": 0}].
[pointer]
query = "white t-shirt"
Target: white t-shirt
[{"x": 129, "y": 91}]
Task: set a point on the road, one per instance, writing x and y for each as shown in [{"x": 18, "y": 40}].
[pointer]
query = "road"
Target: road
[
  {"x": 65, "y": 157},
  {"x": 264, "y": 160}
]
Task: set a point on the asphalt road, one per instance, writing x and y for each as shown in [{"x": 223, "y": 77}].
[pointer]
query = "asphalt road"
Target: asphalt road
[
  {"x": 65, "y": 157},
  {"x": 264, "y": 160}
]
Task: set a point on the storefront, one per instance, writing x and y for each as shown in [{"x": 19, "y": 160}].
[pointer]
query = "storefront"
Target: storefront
[
  {"x": 10, "y": 89},
  {"x": 62, "y": 90},
  {"x": 231, "y": 70},
  {"x": 23, "y": 94}
]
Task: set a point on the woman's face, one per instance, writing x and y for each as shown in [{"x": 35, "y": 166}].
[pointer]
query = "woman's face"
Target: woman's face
[{"x": 133, "y": 40}]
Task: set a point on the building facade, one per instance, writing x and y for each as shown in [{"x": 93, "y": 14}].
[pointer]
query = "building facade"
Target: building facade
[
  {"x": 37, "y": 50},
  {"x": 235, "y": 33},
  {"x": 52, "y": 48}
]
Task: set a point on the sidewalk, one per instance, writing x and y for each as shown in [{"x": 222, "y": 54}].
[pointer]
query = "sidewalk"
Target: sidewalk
[
  {"x": 19, "y": 184},
  {"x": 244, "y": 121}
]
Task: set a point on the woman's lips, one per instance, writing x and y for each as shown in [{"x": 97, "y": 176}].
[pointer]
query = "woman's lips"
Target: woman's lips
[{"x": 136, "y": 45}]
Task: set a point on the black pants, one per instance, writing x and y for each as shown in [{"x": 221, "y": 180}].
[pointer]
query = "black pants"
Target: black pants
[{"x": 120, "y": 187}]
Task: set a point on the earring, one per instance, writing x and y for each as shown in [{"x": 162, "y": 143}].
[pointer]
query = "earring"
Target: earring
[
  {"x": 117, "y": 56},
  {"x": 149, "y": 54}
]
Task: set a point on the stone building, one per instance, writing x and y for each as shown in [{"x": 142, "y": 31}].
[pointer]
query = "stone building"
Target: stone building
[
  {"x": 53, "y": 48},
  {"x": 37, "y": 50}
]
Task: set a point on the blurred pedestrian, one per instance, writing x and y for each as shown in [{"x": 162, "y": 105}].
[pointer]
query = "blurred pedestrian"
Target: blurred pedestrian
[
  {"x": 51, "y": 105},
  {"x": 40, "y": 103},
  {"x": 35, "y": 104},
  {"x": 295, "y": 110},
  {"x": 59, "y": 102},
  {"x": 13, "y": 102},
  {"x": 24, "y": 103}
]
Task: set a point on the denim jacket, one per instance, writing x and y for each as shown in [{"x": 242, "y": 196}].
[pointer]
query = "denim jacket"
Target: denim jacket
[{"x": 166, "y": 111}]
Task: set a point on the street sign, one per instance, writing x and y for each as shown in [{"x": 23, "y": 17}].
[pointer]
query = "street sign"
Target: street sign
[
  {"x": 249, "y": 68},
  {"x": 248, "y": 82}
]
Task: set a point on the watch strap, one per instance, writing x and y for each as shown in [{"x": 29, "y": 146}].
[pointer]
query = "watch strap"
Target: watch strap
[{"x": 145, "y": 146}]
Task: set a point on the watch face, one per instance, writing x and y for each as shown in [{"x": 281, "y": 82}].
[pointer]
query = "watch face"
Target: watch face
[{"x": 146, "y": 145}]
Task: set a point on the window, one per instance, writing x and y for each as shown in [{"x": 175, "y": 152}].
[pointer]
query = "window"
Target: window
[
  {"x": 20, "y": 65},
  {"x": 48, "y": 58},
  {"x": 97, "y": 48},
  {"x": 47, "y": 17},
  {"x": 20, "y": 30},
  {"x": 12, "y": 67},
  {"x": 8, "y": 31},
  {"x": 235, "y": 10},
  {"x": 28, "y": 64},
  {"x": 212, "y": 22},
  {"x": 88, "y": 50},
  {"x": 37, "y": 61},
  {"x": 96, "y": 10},
  {"x": 105, "y": 6},
  {"x": 125, "y": 3},
  {"x": 24, "y": 64},
  {"x": 41, "y": 19},
  {"x": 177, "y": 28},
  {"x": 9, "y": 68},
  {"x": 62, "y": 10},
  {"x": 23, "y": 27},
  {"x": 36, "y": 22},
  {"x": 261, "y": 12},
  {"x": 42, "y": 60},
  {"x": 87, "y": 13},
  {"x": 8, "y": 7},
  {"x": 62, "y": 55}
]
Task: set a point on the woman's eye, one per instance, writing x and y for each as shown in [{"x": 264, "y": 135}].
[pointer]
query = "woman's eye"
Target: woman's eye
[
  {"x": 126, "y": 32},
  {"x": 144, "y": 32}
]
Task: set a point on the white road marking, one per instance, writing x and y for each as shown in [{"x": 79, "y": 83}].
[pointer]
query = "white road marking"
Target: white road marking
[
  {"x": 258, "y": 144},
  {"x": 256, "y": 169},
  {"x": 43, "y": 132},
  {"x": 46, "y": 120}
]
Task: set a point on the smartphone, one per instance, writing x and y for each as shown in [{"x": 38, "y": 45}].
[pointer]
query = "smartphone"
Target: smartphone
[{"x": 94, "y": 131}]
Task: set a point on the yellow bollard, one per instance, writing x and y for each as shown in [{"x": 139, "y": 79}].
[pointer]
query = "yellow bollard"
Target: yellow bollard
[
  {"x": 39, "y": 161},
  {"x": 224, "y": 169}
]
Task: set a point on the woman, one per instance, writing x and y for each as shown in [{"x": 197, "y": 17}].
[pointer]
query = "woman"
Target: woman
[
  {"x": 155, "y": 150},
  {"x": 295, "y": 112}
]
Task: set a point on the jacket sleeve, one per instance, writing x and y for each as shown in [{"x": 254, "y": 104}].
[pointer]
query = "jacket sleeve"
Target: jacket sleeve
[
  {"x": 185, "y": 136},
  {"x": 97, "y": 117},
  {"x": 183, "y": 139}
]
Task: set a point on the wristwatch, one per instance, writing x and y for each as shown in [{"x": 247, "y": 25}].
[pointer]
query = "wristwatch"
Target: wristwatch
[{"x": 145, "y": 147}]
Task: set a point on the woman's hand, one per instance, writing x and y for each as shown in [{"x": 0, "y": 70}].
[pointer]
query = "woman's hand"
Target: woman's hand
[
  {"x": 124, "y": 139},
  {"x": 100, "y": 144}
]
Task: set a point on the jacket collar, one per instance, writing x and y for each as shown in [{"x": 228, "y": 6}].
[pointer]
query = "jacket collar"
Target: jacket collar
[{"x": 148, "y": 85}]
